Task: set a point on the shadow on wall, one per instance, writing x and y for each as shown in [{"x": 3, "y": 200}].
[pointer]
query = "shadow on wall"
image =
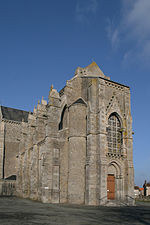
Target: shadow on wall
[
  {"x": 12, "y": 177},
  {"x": 8, "y": 186}
]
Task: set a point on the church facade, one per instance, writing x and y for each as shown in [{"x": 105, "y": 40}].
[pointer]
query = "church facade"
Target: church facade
[{"x": 77, "y": 147}]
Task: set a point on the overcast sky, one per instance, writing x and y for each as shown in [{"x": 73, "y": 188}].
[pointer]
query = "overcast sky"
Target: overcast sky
[{"x": 43, "y": 41}]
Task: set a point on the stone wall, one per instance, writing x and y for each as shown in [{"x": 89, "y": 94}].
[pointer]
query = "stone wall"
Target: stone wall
[
  {"x": 7, "y": 188},
  {"x": 9, "y": 147},
  {"x": 64, "y": 155}
]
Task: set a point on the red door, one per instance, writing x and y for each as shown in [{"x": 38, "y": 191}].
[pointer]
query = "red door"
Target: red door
[{"x": 111, "y": 187}]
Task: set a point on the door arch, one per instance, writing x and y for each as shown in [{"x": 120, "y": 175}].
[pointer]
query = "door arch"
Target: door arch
[{"x": 114, "y": 181}]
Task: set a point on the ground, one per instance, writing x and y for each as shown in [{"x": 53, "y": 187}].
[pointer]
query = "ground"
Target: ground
[{"x": 15, "y": 211}]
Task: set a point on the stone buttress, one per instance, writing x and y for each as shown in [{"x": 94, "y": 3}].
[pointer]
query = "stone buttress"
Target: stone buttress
[{"x": 77, "y": 148}]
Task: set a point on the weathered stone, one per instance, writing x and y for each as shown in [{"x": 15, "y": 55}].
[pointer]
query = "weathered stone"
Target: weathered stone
[{"x": 74, "y": 146}]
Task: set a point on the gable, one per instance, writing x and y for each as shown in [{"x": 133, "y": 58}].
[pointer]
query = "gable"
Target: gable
[
  {"x": 113, "y": 105},
  {"x": 79, "y": 101}
]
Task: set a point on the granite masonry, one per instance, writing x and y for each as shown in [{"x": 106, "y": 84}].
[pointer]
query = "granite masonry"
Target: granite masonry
[
  {"x": 77, "y": 147},
  {"x": 10, "y": 133}
]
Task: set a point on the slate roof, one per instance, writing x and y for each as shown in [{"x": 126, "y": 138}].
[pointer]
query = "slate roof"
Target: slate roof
[{"x": 14, "y": 114}]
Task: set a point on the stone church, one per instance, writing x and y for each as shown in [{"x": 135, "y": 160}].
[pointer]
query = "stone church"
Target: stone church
[{"x": 77, "y": 147}]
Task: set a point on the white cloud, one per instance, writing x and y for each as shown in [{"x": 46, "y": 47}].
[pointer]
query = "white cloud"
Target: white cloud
[
  {"x": 145, "y": 53},
  {"x": 134, "y": 27},
  {"x": 85, "y": 9},
  {"x": 137, "y": 19},
  {"x": 113, "y": 34},
  {"x": 115, "y": 37}
]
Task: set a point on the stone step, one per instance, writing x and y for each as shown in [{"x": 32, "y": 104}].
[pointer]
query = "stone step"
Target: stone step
[{"x": 116, "y": 203}]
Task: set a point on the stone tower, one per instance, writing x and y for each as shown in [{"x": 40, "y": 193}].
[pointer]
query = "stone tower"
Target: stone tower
[{"x": 77, "y": 148}]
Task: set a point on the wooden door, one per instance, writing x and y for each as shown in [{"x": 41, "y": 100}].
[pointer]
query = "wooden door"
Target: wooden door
[{"x": 110, "y": 186}]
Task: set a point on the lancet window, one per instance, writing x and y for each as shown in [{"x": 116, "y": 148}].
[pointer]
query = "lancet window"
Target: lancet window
[
  {"x": 63, "y": 121},
  {"x": 114, "y": 134}
]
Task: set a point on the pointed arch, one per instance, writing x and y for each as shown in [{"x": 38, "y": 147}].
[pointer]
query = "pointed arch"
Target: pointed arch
[
  {"x": 61, "y": 124},
  {"x": 79, "y": 101},
  {"x": 115, "y": 113},
  {"x": 117, "y": 116},
  {"x": 117, "y": 167}
]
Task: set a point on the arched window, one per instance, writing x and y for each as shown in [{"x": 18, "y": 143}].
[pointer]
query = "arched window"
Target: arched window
[
  {"x": 63, "y": 120},
  {"x": 114, "y": 134}
]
